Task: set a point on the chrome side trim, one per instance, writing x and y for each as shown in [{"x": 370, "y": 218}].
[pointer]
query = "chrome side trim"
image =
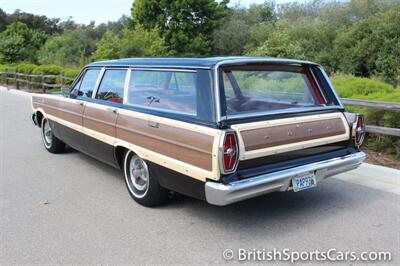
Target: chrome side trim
[{"x": 224, "y": 194}]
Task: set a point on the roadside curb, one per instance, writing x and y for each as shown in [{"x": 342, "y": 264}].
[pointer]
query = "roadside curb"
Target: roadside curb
[
  {"x": 374, "y": 176},
  {"x": 14, "y": 91}
]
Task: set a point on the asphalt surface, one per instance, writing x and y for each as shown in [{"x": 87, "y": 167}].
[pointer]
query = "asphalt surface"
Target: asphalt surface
[{"x": 91, "y": 219}]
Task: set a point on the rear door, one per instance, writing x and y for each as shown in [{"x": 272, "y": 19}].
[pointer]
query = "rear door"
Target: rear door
[{"x": 101, "y": 113}]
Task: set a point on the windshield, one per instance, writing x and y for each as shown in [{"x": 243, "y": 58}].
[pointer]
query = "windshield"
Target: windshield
[{"x": 267, "y": 88}]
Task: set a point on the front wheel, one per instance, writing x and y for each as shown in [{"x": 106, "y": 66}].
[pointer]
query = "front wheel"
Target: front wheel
[
  {"x": 51, "y": 142},
  {"x": 141, "y": 181}
]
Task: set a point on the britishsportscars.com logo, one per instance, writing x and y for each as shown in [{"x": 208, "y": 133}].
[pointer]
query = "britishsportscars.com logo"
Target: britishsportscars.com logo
[{"x": 292, "y": 256}]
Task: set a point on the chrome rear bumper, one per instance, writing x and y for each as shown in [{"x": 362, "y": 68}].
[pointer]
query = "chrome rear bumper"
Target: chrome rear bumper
[{"x": 221, "y": 194}]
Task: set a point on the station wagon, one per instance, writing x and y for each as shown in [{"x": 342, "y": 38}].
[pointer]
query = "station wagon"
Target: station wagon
[{"x": 220, "y": 129}]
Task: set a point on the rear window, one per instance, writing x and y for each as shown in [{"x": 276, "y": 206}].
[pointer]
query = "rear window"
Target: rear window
[{"x": 268, "y": 88}]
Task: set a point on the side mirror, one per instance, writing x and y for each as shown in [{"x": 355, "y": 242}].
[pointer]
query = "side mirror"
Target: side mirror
[{"x": 65, "y": 91}]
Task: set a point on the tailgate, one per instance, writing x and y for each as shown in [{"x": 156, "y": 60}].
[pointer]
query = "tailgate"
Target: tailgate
[{"x": 265, "y": 138}]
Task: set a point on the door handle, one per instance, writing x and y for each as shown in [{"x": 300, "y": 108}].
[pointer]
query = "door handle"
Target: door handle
[
  {"x": 81, "y": 103},
  {"x": 153, "y": 124},
  {"x": 112, "y": 110}
]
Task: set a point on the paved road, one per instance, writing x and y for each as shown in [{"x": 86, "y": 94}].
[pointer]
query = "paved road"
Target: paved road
[{"x": 91, "y": 219}]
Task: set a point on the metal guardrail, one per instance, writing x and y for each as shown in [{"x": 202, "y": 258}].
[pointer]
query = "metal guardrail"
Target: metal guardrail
[
  {"x": 34, "y": 81},
  {"x": 377, "y": 105}
]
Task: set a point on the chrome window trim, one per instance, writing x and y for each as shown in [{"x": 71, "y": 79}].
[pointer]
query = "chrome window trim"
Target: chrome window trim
[
  {"x": 163, "y": 69},
  {"x": 171, "y": 67},
  {"x": 99, "y": 78},
  {"x": 161, "y": 110},
  {"x": 126, "y": 85},
  {"x": 281, "y": 111},
  {"x": 176, "y": 67},
  {"x": 331, "y": 86},
  {"x": 77, "y": 79},
  {"x": 217, "y": 102},
  {"x": 321, "y": 92},
  {"x": 219, "y": 118}
]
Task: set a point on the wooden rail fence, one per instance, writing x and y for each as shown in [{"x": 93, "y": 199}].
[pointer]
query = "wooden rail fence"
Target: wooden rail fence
[
  {"x": 60, "y": 81},
  {"x": 377, "y": 105},
  {"x": 32, "y": 81}
]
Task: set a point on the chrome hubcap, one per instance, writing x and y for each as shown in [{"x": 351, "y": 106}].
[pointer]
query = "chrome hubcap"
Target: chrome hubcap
[
  {"x": 47, "y": 133},
  {"x": 139, "y": 175}
]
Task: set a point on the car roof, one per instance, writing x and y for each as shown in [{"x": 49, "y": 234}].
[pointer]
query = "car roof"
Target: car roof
[{"x": 204, "y": 62}]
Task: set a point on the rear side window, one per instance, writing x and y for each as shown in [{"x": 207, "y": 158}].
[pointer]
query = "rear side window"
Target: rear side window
[
  {"x": 88, "y": 83},
  {"x": 112, "y": 86},
  {"x": 172, "y": 91}
]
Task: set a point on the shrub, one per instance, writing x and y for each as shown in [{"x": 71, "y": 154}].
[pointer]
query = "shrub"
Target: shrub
[
  {"x": 348, "y": 86},
  {"x": 367, "y": 89},
  {"x": 8, "y": 67},
  {"x": 47, "y": 70},
  {"x": 25, "y": 68},
  {"x": 69, "y": 73}
]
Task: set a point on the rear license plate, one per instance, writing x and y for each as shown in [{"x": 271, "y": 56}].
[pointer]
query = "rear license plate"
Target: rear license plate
[{"x": 304, "y": 181}]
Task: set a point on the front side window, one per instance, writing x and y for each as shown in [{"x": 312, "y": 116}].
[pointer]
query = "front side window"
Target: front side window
[
  {"x": 266, "y": 88},
  {"x": 88, "y": 83},
  {"x": 172, "y": 91},
  {"x": 112, "y": 86}
]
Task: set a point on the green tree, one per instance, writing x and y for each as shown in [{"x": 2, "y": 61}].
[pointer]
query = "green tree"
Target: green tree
[
  {"x": 278, "y": 44},
  {"x": 3, "y": 20},
  {"x": 73, "y": 48},
  {"x": 371, "y": 47},
  {"x": 232, "y": 36},
  {"x": 132, "y": 43},
  {"x": 185, "y": 25},
  {"x": 36, "y": 22},
  {"x": 19, "y": 43}
]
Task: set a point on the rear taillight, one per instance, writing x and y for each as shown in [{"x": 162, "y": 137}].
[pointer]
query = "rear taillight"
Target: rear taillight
[
  {"x": 359, "y": 130},
  {"x": 230, "y": 152}
]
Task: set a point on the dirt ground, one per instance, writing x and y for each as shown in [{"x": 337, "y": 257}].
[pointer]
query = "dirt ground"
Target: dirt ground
[{"x": 380, "y": 158}]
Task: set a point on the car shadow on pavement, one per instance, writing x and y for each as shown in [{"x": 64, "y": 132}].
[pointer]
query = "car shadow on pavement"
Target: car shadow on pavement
[{"x": 332, "y": 197}]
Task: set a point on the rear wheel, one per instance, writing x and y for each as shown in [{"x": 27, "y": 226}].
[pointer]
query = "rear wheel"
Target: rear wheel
[
  {"x": 51, "y": 142},
  {"x": 141, "y": 182}
]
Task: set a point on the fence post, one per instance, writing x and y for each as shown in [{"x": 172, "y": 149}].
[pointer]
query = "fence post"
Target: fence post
[
  {"x": 29, "y": 82},
  {"x": 41, "y": 82},
  {"x": 62, "y": 80},
  {"x": 6, "y": 76},
  {"x": 16, "y": 80}
]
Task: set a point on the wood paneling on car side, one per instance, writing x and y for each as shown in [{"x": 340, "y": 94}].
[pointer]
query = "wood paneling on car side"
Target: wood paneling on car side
[
  {"x": 183, "y": 147},
  {"x": 188, "y": 146}
]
